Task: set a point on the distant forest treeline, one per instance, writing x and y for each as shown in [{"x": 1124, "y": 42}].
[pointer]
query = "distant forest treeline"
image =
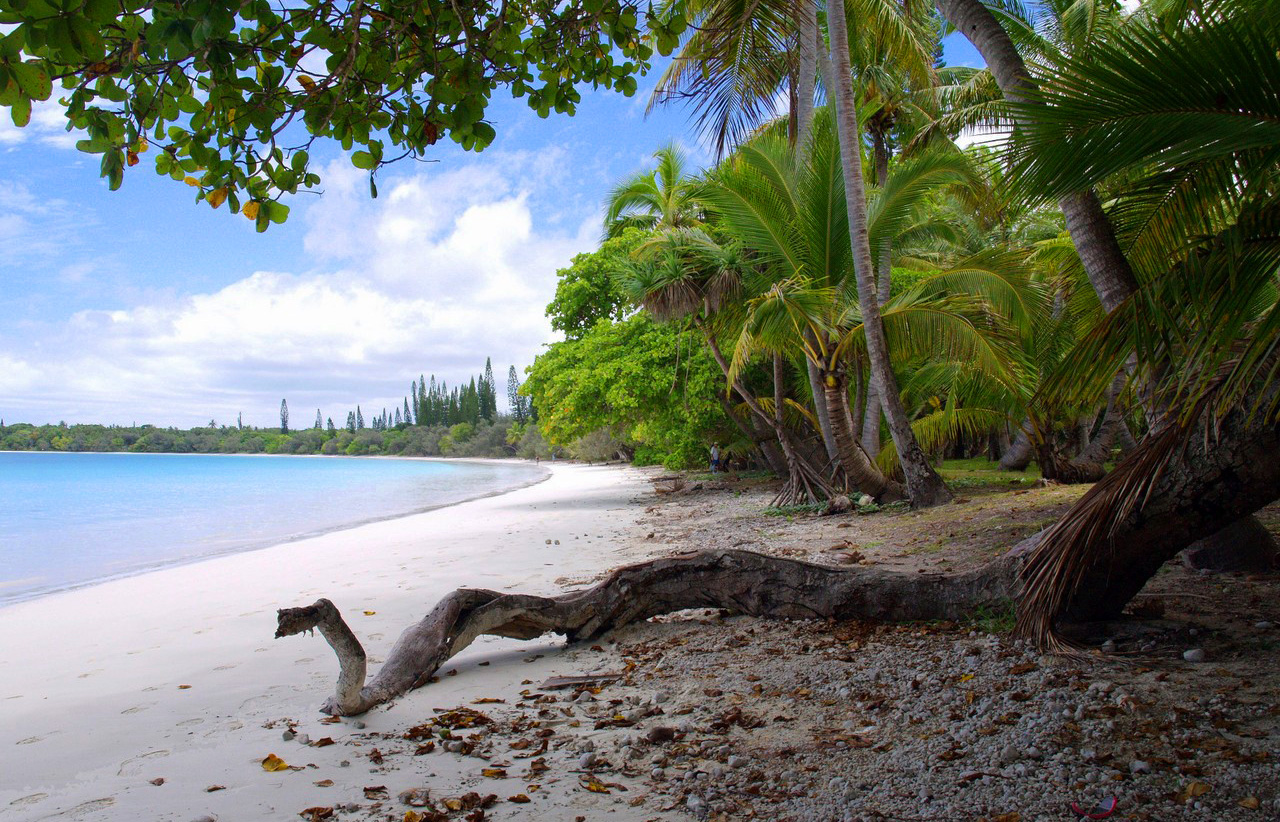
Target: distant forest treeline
[{"x": 434, "y": 420}]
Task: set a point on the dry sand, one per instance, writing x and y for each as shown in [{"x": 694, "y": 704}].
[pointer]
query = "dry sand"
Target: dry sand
[{"x": 174, "y": 675}]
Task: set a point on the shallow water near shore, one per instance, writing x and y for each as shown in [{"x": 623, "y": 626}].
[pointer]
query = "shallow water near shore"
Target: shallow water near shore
[{"x": 72, "y": 519}]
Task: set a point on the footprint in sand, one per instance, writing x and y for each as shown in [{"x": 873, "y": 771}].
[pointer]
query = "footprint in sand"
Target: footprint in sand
[
  {"x": 304, "y": 660},
  {"x": 30, "y": 740},
  {"x": 133, "y": 767},
  {"x": 23, "y": 801},
  {"x": 88, "y": 674},
  {"x": 375, "y": 637},
  {"x": 187, "y": 723},
  {"x": 227, "y": 667},
  {"x": 86, "y": 808},
  {"x": 136, "y": 709}
]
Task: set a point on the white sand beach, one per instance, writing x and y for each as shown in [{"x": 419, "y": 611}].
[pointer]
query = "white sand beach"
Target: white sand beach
[{"x": 129, "y": 700}]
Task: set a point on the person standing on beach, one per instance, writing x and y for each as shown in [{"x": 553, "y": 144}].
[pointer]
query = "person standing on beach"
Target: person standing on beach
[{"x": 715, "y": 457}]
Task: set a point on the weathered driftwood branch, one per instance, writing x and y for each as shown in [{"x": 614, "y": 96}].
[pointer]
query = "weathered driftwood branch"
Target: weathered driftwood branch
[{"x": 739, "y": 581}]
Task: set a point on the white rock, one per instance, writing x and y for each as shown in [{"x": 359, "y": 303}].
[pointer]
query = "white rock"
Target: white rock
[
  {"x": 1194, "y": 655},
  {"x": 1139, "y": 766},
  {"x": 587, "y": 760}
]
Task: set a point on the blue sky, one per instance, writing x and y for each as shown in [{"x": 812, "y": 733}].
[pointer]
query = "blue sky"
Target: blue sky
[{"x": 141, "y": 305}]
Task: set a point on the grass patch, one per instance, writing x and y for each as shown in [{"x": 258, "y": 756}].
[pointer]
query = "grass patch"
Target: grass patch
[
  {"x": 791, "y": 511},
  {"x": 997, "y": 618},
  {"x": 980, "y": 472}
]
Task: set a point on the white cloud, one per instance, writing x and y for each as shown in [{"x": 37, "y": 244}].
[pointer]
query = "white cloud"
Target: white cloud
[
  {"x": 48, "y": 125},
  {"x": 444, "y": 269}
]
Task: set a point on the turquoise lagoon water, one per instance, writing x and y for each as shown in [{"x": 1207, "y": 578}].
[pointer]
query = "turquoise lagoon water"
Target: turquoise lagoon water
[{"x": 72, "y": 519}]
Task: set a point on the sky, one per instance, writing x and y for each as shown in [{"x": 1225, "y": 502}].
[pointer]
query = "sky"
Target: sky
[{"x": 143, "y": 306}]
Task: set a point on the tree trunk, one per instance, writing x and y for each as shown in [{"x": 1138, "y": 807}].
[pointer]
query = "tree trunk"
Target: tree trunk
[
  {"x": 924, "y": 485},
  {"x": 871, "y": 422},
  {"x": 760, "y": 439},
  {"x": 821, "y": 409},
  {"x": 1244, "y": 545},
  {"x": 804, "y": 483},
  {"x": 858, "y": 467},
  {"x": 739, "y": 581},
  {"x": 1175, "y": 488}
]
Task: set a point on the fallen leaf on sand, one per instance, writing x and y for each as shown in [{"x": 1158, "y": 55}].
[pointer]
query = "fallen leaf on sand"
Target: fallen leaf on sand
[
  {"x": 213, "y": 788},
  {"x": 274, "y": 763},
  {"x": 323, "y": 743},
  {"x": 592, "y": 784},
  {"x": 494, "y": 773},
  {"x": 376, "y": 792},
  {"x": 316, "y": 814},
  {"x": 325, "y": 783},
  {"x": 519, "y": 799},
  {"x": 487, "y": 700},
  {"x": 375, "y": 756},
  {"x": 159, "y": 780},
  {"x": 370, "y": 613},
  {"x": 1192, "y": 790},
  {"x": 415, "y": 797},
  {"x": 331, "y": 720},
  {"x": 183, "y": 687},
  {"x": 1250, "y": 803}
]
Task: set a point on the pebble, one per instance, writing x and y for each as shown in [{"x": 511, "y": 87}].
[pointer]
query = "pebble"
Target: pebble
[
  {"x": 1194, "y": 655},
  {"x": 288, "y": 736},
  {"x": 738, "y": 762},
  {"x": 587, "y": 760},
  {"x": 1264, "y": 625},
  {"x": 1139, "y": 766}
]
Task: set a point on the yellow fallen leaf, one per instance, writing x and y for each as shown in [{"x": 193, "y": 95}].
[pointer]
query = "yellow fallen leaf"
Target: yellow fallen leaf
[
  {"x": 274, "y": 763},
  {"x": 250, "y": 211},
  {"x": 966, "y": 677},
  {"x": 453, "y": 804},
  {"x": 414, "y": 816},
  {"x": 519, "y": 799},
  {"x": 592, "y": 784},
  {"x": 495, "y": 773},
  {"x": 366, "y": 613},
  {"x": 183, "y": 687},
  {"x": 1250, "y": 803},
  {"x": 1192, "y": 790}
]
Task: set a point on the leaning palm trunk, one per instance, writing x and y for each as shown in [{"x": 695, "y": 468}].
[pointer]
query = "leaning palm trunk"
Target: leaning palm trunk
[
  {"x": 1179, "y": 485},
  {"x": 1091, "y": 231},
  {"x": 804, "y": 484},
  {"x": 863, "y": 474},
  {"x": 924, "y": 485}
]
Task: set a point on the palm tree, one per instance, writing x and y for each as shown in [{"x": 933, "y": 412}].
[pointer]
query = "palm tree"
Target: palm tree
[
  {"x": 924, "y": 485},
  {"x": 663, "y": 199}
]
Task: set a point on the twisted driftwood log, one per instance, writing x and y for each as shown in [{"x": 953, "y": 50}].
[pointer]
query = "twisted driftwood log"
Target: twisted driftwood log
[{"x": 742, "y": 582}]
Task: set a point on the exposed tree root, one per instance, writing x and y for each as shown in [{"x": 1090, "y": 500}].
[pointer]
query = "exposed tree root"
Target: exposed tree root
[{"x": 739, "y": 581}]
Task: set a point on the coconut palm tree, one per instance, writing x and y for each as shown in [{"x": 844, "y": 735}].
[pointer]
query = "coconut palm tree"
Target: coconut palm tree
[{"x": 663, "y": 199}]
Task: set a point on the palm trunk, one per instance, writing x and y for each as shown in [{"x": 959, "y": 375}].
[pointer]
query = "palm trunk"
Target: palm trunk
[
  {"x": 1091, "y": 232},
  {"x": 871, "y": 417},
  {"x": 804, "y": 482},
  {"x": 924, "y": 485},
  {"x": 858, "y": 467}
]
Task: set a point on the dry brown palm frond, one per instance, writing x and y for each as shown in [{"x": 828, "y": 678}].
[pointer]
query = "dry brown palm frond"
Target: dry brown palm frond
[{"x": 1083, "y": 537}]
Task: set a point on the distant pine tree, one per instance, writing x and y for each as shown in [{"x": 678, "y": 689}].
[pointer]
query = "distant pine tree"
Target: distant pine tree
[
  {"x": 514, "y": 401},
  {"x": 351, "y": 421},
  {"x": 332, "y": 428},
  {"x": 284, "y": 417},
  {"x": 359, "y": 418},
  {"x": 488, "y": 394},
  {"x": 319, "y": 422},
  {"x": 240, "y": 420},
  {"x": 398, "y": 419},
  {"x": 408, "y": 418}
]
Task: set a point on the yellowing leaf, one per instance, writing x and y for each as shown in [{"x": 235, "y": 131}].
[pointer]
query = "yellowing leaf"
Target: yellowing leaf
[
  {"x": 592, "y": 784},
  {"x": 132, "y": 158},
  {"x": 250, "y": 211},
  {"x": 414, "y": 816},
  {"x": 519, "y": 799},
  {"x": 191, "y": 181},
  {"x": 495, "y": 773},
  {"x": 274, "y": 763},
  {"x": 1192, "y": 790},
  {"x": 966, "y": 677},
  {"x": 370, "y": 613},
  {"x": 217, "y": 197},
  {"x": 307, "y": 83}
]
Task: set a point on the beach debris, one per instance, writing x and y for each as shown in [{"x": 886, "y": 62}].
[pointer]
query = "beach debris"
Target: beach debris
[
  {"x": 370, "y": 613},
  {"x": 316, "y": 814},
  {"x": 376, "y": 792},
  {"x": 494, "y": 773},
  {"x": 458, "y": 718},
  {"x": 581, "y": 680},
  {"x": 1192, "y": 790},
  {"x": 324, "y": 783},
  {"x": 324, "y": 742},
  {"x": 1100, "y": 811},
  {"x": 183, "y": 687},
  {"x": 470, "y": 802},
  {"x": 214, "y": 788},
  {"x": 274, "y": 763},
  {"x": 415, "y": 797},
  {"x": 375, "y": 756},
  {"x": 159, "y": 780},
  {"x": 519, "y": 799},
  {"x": 488, "y": 700}
]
